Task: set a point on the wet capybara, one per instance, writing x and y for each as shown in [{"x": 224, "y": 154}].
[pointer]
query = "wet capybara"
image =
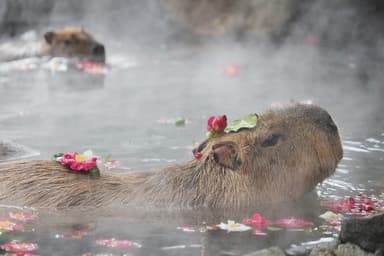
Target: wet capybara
[
  {"x": 70, "y": 42},
  {"x": 74, "y": 43},
  {"x": 283, "y": 157}
]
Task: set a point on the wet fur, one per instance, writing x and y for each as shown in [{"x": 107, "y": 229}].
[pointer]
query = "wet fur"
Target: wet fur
[
  {"x": 308, "y": 151},
  {"x": 70, "y": 42}
]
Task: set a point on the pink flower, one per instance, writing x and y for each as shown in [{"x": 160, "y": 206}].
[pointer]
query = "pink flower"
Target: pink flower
[
  {"x": 113, "y": 243},
  {"x": 292, "y": 223},
  {"x": 77, "y": 166},
  {"x": 17, "y": 246},
  {"x": 90, "y": 163},
  {"x": 21, "y": 216},
  {"x": 198, "y": 155},
  {"x": 256, "y": 221},
  {"x": 360, "y": 205},
  {"x": 232, "y": 70},
  {"x": 209, "y": 123},
  {"x": 68, "y": 158},
  {"x": 217, "y": 124},
  {"x": 7, "y": 225}
]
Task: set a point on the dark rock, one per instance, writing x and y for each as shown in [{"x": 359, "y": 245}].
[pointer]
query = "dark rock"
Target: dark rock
[
  {"x": 367, "y": 233},
  {"x": 13, "y": 151},
  {"x": 341, "y": 250}
]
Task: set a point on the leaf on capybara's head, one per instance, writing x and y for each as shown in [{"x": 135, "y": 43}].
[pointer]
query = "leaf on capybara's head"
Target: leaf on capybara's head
[{"x": 247, "y": 122}]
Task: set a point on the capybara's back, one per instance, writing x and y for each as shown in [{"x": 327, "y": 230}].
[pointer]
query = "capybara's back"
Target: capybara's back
[{"x": 286, "y": 155}]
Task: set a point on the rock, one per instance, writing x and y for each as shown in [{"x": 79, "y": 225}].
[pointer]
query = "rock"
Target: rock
[
  {"x": 341, "y": 250},
  {"x": 367, "y": 233},
  {"x": 13, "y": 151},
  {"x": 272, "y": 251}
]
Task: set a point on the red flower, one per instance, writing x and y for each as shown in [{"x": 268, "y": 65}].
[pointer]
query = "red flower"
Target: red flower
[
  {"x": 217, "y": 124},
  {"x": 209, "y": 123},
  {"x": 359, "y": 205},
  {"x": 231, "y": 70},
  {"x": 68, "y": 158},
  {"x": 198, "y": 155},
  {"x": 257, "y": 221}
]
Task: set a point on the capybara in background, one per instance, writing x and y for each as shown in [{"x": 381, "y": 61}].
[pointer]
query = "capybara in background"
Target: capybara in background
[
  {"x": 70, "y": 42},
  {"x": 74, "y": 43},
  {"x": 283, "y": 157}
]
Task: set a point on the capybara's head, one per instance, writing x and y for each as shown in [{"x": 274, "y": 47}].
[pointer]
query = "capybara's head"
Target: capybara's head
[
  {"x": 74, "y": 43},
  {"x": 287, "y": 154}
]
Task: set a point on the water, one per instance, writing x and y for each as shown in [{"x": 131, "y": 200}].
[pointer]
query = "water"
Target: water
[{"x": 128, "y": 114}]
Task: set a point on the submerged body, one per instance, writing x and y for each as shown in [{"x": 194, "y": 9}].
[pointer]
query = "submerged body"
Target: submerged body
[
  {"x": 286, "y": 155},
  {"x": 70, "y": 42}
]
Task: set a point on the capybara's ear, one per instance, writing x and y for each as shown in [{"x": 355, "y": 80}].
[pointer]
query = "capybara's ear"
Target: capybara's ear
[
  {"x": 226, "y": 153},
  {"x": 49, "y": 36}
]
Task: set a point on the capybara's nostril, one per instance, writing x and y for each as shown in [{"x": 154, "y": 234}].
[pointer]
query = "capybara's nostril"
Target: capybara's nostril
[
  {"x": 321, "y": 118},
  {"x": 98, "y": 49}
]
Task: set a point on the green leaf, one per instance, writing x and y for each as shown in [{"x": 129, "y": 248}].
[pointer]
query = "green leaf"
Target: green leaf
[
  {"x": 57, "y": 155},
  {"x": 95, "y": 172},
  {"x": 247, "y": 122},
  {"x": 180, "y": 121}
]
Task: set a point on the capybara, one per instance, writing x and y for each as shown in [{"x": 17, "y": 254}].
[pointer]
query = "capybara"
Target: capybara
[
  {"x": 73, "y": 42},
  {"x": 70, "y": 42},
  {"x": 283, "y": 157}
]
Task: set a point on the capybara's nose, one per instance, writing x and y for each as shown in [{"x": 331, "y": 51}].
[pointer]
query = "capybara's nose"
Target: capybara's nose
[
  {"x": 98, "y": 49},
  {"x": 322, "y": 119},
  {"x": 98, "y": 52}
]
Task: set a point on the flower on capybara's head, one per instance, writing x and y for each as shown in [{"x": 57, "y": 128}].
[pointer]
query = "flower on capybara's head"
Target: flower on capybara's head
[
  {"x": 68, "y": 158},
  {"x": 79, "y": 162},
  {"x": 216, "y": 125}
]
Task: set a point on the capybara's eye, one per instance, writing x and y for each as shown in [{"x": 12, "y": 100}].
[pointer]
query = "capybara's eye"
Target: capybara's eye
[{"x": 271, "y": 140}]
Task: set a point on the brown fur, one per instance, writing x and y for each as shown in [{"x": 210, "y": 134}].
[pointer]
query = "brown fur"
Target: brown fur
[
  {"x": 73, "y": 42},
  {"x": 69, "y": 42},
  {"x": 285, "y": 156}
]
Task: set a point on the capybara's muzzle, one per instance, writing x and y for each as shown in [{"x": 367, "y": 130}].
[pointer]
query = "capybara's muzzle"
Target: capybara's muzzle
[{"x": 98, "y": 52}]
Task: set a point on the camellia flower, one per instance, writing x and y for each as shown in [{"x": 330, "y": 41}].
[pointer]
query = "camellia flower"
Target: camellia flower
[
  {"x": 216, "y": 125},
  {"x": 113, "y": 243},
  {"x": 256, "y": 221},
  {"x": 92, "y": 67},
  {"x": 22, "y": 216},
  {"x": 7, "y": 225},
  {"x": 20, "y": 254},
  {"x": 17, "y": 246},
  {"x": 232, "y": 226},
  {"x": 231, "y": 70},
  {"x": 359, "y": 205},
  {"x": 79, "y": 162},
  {"x": 198, "y": 155}
]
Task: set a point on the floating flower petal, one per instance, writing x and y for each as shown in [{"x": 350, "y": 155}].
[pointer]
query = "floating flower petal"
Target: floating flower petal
[
  {"x": 21, "y": 216},
  {"x": 7, "y": 225},
  {"x": 256, "y": 221},
  {"x": 18, "y": 246},
  {"x": 120, "y": 244},
  {"x": 232, "y": 226}
]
